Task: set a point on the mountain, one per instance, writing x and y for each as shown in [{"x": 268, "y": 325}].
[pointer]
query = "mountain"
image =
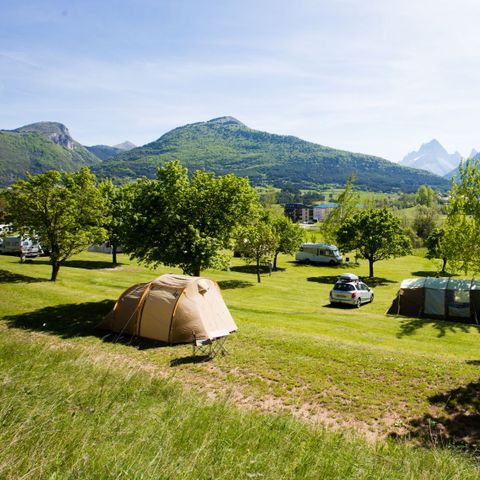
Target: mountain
[
  {"x": 104, "y": 152},
  {"x": 39, "y": 147},
  {"x": 433, "y": 158},
  {"x": 474, "y": 154},
  {"x": 225, "y": 145},
  {"x": 125, "y": 146}
]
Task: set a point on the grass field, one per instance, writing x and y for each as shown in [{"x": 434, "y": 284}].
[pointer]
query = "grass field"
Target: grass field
[{"x": 307, "y": 391}]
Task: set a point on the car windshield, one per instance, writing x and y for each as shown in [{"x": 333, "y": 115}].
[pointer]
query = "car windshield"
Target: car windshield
[{"x": 344, "y": 287}]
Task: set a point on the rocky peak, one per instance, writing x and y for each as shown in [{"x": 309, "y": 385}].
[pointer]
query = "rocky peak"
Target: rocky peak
[
  {"x": 56, "y": 132},
  {"x": 226, "y": 121}
]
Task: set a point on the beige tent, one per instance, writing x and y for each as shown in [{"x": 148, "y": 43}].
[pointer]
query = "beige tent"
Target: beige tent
[{"x": 172, "y": 309}]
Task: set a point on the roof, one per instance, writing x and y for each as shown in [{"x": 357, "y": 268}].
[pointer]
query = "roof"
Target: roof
[
  {"x": 440, "y": 283},
  {"x": 172, "y": 280},
  {"x": 325, "y": 205}
]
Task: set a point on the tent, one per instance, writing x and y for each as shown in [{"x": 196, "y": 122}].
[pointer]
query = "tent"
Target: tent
[
  {"x": 173, "y": 309},
  {"x": 442, "y": 298}
]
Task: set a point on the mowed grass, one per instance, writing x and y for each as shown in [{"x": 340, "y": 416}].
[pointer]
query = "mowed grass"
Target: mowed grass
[{"x": 77, "y": 405}]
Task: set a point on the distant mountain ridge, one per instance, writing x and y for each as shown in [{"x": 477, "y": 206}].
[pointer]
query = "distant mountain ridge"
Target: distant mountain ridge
[
  {"x": 432, "y": 157},
  {"x": 226, "y": 145},
  {"x": 104, "y": 152},
  {"x": 39, "y": 147},
  {"x": 221, "y": 145}
]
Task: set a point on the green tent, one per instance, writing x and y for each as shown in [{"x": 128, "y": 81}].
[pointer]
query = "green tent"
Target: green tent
[{"x": 443, "y": 298}]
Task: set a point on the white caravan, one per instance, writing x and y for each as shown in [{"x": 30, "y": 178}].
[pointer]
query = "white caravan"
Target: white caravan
[{"x": 319, "y": 253}]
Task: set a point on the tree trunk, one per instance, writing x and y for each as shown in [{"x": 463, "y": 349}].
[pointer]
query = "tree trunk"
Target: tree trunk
[
  {"x": 114, "y": 253},
  {"x": 258, "y": 270},
  {"x": 370, "y": 268},
  {"x": 444, "y": 266},
  {"x": 196, "y": 270},
  {"x": 275, "y": 261},
  {"x": 55, "y": 269}
]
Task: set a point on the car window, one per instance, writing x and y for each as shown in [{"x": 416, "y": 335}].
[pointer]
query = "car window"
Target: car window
[
  {"x": 344, "y": 287},
  {"x": 363, "y": 287}
]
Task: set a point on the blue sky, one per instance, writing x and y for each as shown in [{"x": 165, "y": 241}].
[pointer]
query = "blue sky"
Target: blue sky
[{"x": 378, "y": 77}]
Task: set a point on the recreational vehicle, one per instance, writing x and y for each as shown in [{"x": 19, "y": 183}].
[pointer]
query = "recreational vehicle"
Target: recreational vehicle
[{"x": 319, "y": 253}]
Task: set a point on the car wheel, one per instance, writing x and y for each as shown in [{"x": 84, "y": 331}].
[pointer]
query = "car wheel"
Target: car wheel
[
  {"x": 307, "y": 262},
  {"x": 331, "y": 262},
  {"x": 371, "y": 298},
  {"x": 359, "y": 303}
]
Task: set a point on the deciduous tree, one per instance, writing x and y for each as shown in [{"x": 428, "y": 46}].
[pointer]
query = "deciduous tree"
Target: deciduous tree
[
  {"x": 64, "y": 210},
  {"x": 462, "y": 226},
  {"x": 290, "y": 237},
  {"x": 376, "y": 234},
  {"x": 186, "y": 222},
  {"x": 347, "y": 205},
  {"x": 257, "y": 242}
]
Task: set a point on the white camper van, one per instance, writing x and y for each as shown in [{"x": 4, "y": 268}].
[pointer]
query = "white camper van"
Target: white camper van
[
  {"x": 24, "y": 247},
  {"x": 319, "y": 253}
]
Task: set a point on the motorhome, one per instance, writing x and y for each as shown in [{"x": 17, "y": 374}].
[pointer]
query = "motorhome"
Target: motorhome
[
  {"x": 24, "y": 247},
  {"x": 319, "y": 253}
]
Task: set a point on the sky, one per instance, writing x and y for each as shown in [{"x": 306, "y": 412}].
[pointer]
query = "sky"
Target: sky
[{"x": 376, "y": 77}]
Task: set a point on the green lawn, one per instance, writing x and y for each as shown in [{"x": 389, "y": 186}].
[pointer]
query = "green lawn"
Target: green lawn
[{"x": 296, "y": 366}]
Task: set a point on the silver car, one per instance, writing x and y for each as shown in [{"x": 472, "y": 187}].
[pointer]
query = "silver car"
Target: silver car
[{"x": 351, "y": 291}]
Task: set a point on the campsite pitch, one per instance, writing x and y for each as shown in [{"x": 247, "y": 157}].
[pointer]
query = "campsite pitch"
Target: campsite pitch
[{"x": 357, "y": 372}]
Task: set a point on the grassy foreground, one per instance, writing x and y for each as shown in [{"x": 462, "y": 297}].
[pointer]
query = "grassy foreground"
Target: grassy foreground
[{"x": 76, "y": 405}]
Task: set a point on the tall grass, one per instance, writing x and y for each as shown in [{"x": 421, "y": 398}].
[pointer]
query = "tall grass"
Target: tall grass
[{"x": 63, "y": 415}]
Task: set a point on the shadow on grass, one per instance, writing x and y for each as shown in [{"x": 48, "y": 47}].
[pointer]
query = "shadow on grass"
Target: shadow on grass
[
  {"x": 408, "y": 326},
  {"x": 67, "y": 321},
  {"x": 339, "y": 305},
  {"x": 458, "y": 422},
  {"x": 433, "y": 273},
  {"x": 250, "y": 269},
  {"x": 371, "y": 282},
  {"x": 85, "y": 264},
  {"x": 231, "y": 284},
  {"x": 10, "y": 277},
  {"x": 190, "y": 359}
]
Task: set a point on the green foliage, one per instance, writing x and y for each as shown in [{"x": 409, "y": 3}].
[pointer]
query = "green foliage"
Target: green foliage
[
  {"x": 118, "y": 203},
  {"x": 64, "y": 210},
  {"x": 257, "y": 242},
  {"x": 347, "y": 204},
  {"x": 435, "y": 246},
  {"x": 376, "y": 234},
  {"x": 425, "y": 221},
  {"x": 227, "y": 146},
  {"x": 425, "y": 196},
  {"x": 186, "y": 222},
  {"x": 462, "y": 227},
  {"x": 290, "y": 237}
]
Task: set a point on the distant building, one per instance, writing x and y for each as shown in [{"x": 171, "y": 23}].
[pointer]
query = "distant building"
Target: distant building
[
  {"x": 322, "y": 211},
  {"x": 298, "y": 212}
]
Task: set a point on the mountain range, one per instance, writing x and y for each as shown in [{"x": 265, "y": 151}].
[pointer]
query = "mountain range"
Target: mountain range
[
  {"x": 222, "y": 145},
  {"x": 433, "y": 157}
]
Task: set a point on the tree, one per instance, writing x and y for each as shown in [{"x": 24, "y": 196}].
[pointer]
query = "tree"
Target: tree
[
  {"x": 425, "y": 196},
  {"x": 376, "y": 234},
  {"x": 434, "y": 244},
  {"x": 118, "y": 201},
  {"x": 462, "y": 225},
  {"x": 425, "y": 221},
  {"x": 64, "y": 210},
  {"x": 347, "y": 205},
  {"x": 186, "y": 222},
  {"x": 257, "y": 242},
  {"x": 290, "y": 237}
]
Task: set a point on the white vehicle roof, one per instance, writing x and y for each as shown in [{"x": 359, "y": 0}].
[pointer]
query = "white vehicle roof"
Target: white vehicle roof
[{"x": 348, "y": 277}]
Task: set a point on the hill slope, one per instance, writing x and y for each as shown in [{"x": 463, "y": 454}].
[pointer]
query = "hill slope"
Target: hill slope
[
  {"x": 225, "y": 145},
  {"x": 40, "y": 147}
]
